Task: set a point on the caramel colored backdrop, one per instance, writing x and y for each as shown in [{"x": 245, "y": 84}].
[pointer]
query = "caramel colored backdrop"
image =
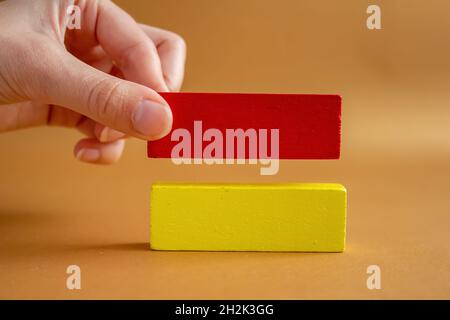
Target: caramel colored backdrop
[{"x": 55, "y": 211}]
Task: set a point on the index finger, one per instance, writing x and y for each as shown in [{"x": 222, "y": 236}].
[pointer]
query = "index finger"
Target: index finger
[{"x": 128, "y": 46}]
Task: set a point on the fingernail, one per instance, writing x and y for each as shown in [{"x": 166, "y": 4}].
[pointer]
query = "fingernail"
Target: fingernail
[
  {"x": 152, "y": 119},
  {"x": 108, "y": 135},
  {"x": 88, "y": 155}
]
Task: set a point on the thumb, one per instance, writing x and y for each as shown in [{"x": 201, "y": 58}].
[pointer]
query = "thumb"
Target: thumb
[{"x": 119, "y": 104}]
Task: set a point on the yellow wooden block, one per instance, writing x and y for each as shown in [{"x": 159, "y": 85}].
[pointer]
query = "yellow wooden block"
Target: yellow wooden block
[{"x": 261, "y": 217}]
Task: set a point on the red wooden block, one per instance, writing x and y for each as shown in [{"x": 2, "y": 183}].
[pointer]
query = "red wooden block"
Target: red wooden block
[{"x": 309, "y": 125}]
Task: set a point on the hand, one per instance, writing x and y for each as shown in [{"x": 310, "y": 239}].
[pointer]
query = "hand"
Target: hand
[{"x": 101, "y": 79}]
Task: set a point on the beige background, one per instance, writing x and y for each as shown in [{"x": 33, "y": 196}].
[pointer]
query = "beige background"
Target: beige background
[{"x": 395, "y": 163}]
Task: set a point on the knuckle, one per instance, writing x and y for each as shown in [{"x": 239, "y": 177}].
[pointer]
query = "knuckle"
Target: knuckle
[
  {"x": 137, "y": 50},
  {"x": 177, "y": 41},
  {"x": 107, "y": 100}
]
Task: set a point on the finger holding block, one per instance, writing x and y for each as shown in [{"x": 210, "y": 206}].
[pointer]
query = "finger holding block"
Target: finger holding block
[{"x": 304, "y": 217}]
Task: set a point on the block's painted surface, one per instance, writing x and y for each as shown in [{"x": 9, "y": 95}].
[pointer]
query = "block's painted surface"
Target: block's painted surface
[
  {"x": 309, "y": 125},
  {"x": 228, "y": 217}
]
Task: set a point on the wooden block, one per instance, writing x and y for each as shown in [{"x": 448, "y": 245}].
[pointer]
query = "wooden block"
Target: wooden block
[
  {"x": 309, "y": 125},
  {"x": 262, "y": 217}
]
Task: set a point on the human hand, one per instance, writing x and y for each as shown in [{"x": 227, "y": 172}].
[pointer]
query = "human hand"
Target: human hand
[{"x": 101, "y": 79}]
